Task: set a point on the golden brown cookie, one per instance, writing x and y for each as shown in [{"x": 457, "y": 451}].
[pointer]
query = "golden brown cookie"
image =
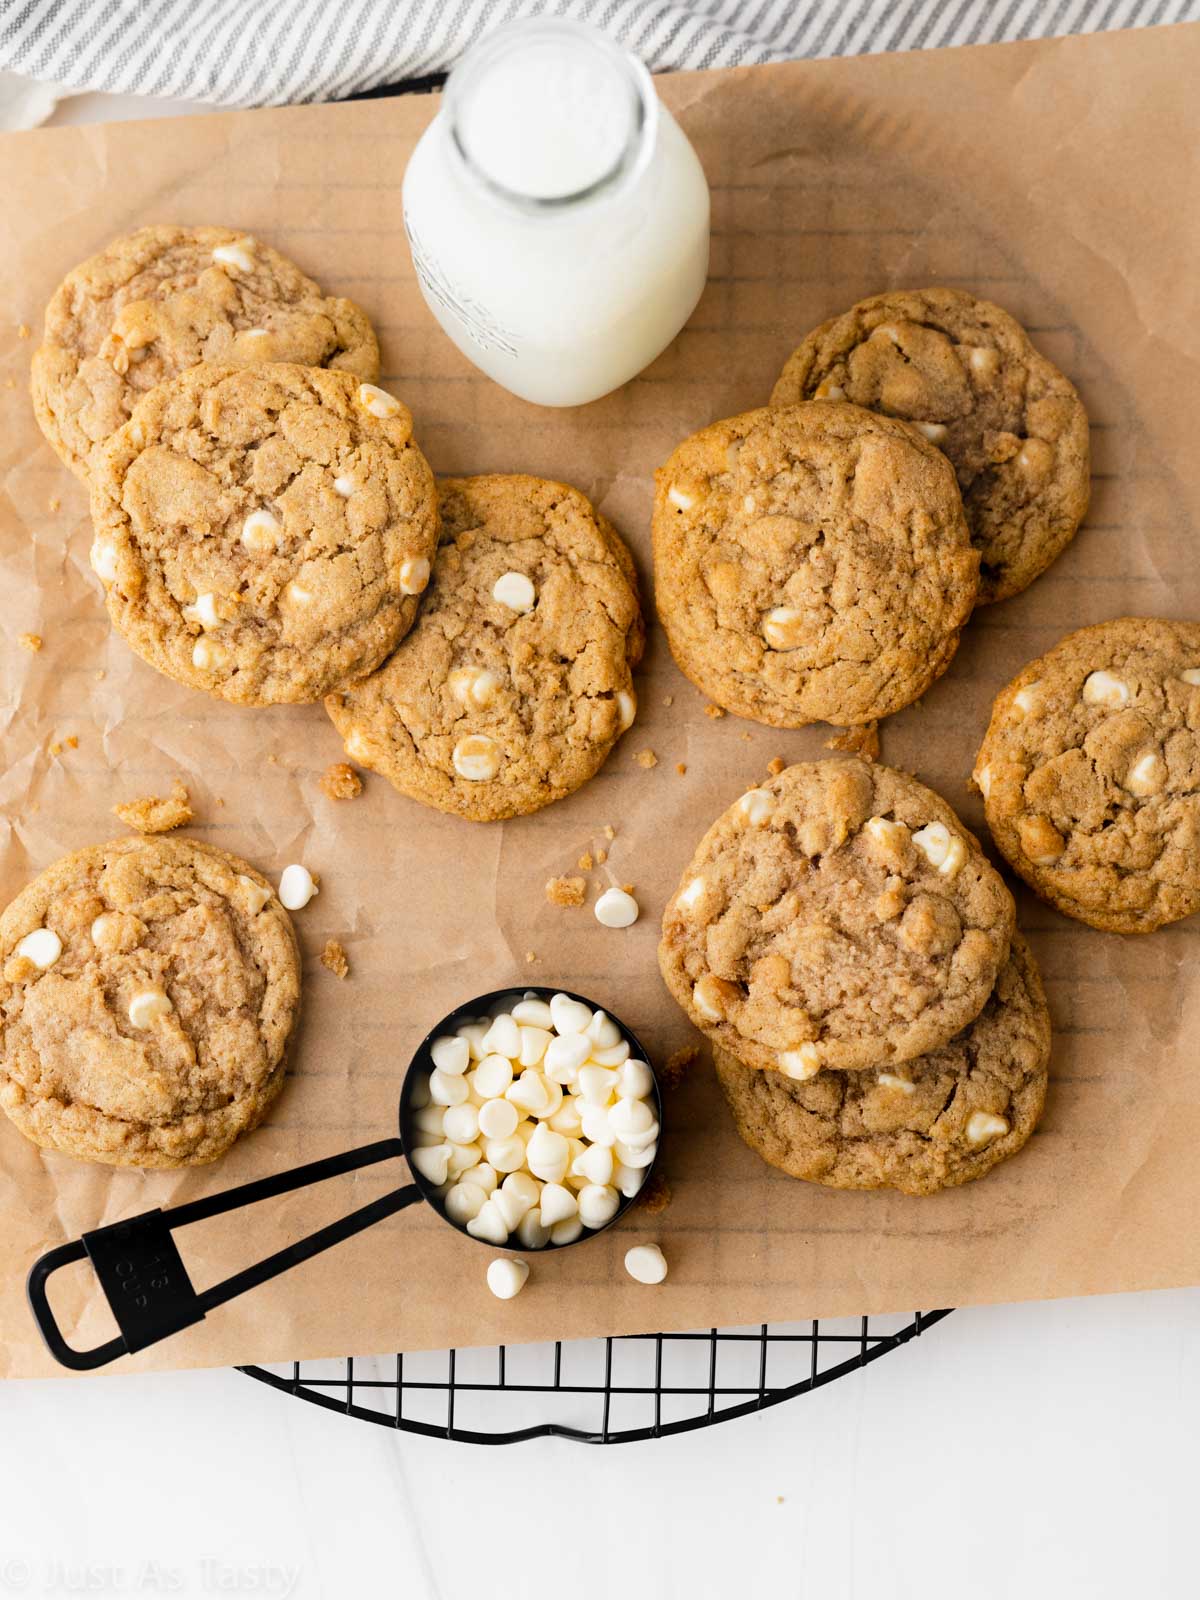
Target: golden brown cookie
[
  {"x": 148, "y": 990},
  {"x": 1090, "y": 773},
  {"x": 811, "y": 563},
  {"x": 263, "y": 533},
  {"x": 966, "y": 374},
  {"x": 160, "y": 300},
  {"x": 838, "y": 916},
  {"x": 517, "y": 678},
  {"x": 942, "y": 1119}
]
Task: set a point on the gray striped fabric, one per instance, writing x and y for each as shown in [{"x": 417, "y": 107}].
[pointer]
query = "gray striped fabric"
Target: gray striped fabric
[{"x": 273, "y": 52}]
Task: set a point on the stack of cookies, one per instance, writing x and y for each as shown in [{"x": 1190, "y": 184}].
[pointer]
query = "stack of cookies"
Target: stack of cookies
[
  {"x": 267, "y": 530},
  {"x": 851, "y": 954},
  {"x": 816, "y": 559}
]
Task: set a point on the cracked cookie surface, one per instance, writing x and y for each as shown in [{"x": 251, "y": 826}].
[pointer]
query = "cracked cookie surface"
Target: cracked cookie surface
[
  {"x": 812, "y": 563},
  {"x": 263, "y": 533},
  {"x": 942, "y": 1119},
  {"x": 155, "y": 302},
  {"x": 517, "y": 678},
  {"x": 1090, "y": 773},
  {"x": 839, "y": 916},
  {"x": 965, "y": 372},
  {"x": 148, "y": 1024}
]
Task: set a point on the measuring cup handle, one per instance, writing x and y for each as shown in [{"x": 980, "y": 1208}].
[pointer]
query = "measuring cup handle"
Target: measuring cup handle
[{"x": 142, "y": 1275}]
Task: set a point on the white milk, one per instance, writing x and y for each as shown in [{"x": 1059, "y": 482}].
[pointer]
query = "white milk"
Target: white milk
[{"x": 558, "y": 217}]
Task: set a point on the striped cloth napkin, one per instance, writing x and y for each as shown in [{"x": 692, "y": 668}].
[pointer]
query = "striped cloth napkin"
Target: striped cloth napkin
[{"x": 274, "y": 52}]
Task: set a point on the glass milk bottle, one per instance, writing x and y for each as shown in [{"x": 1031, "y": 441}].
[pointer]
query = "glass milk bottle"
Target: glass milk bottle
[{"x": 558, "y": 217}]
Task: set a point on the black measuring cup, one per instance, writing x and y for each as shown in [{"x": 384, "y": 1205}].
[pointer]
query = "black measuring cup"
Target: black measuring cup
[{"x": 141, "y": 1271}]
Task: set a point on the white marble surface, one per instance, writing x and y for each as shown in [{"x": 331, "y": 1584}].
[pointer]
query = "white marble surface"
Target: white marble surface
[{"x": 1031, "y": 1451}]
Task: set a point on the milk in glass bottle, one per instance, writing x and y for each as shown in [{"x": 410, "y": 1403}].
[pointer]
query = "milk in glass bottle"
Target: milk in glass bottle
[{"x": 558, "y": 217}]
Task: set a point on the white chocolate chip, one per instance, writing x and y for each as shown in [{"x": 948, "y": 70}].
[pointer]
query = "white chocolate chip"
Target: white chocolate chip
[
  {"x": 297, "y": 595},
  {"x": 514, "y": 590},
  {"x": 680, "y": 498},
  {"x": 937, "y": 844},
  {"x": 1104, "y": 689},
  {"x": 260, "y": 532},
  {"x": 1026, "y": 700},
  {"x": 691, "y": 895},
  {"x": 208, "y": 656},
  {"x": 828, "y": 390},
  {"x": 616, "y": 909},
  {"x": 498, "y": 1119},
  {"x": 203, "y": 612},
  {"x": 783, "y": 628},
  {"x": 1191, "y": 675},
  {"x": 473, "y": 686},
  {"x": 984, "y": 361},
  {"x": 357, "y": 746},
  {"x": 890, "y": 1080},
  {"x": 708, "y": 999},
  {"x": 296, "y": 887},
  {"x": 603, "y": 1031},
  {"x": 547, "y": 1154},
  {"x": 567, "y": 1231},
  {"x": 345, "y": 486},
  {"x": 503, "y": 1037},
  {"x": 888, "y": 835},
  {"x": 146, "y": 1005},
  {"x": 103, "y": 557},
  {"x": 569, "y": 1016},
  {"x": 460, "y": 1124},
  {"x": 492, "y": 1076},
  {"x": 487, "y": 1224},
  {"x": 626, "y": 708},
  {"x": 800, "y": 1064},
  {"x": 558, "y": 1203},
  {"x": 935, "y": 432},
  {"x": 645, "y": 1263},
  {"x": 532, "y": 1233},
  {"x": 565, "y": 1055},
  {"x": 984, "y": 1126},
  {"x": 476, "y": 758},
  {"x": 43, "y": 947},
  {"x": 464, "y": 1201},
  {"x": 1147, "y": 776},
  {"x": 757, "y": 806},
  {"x": 451, "y": 1054},
  {"x": 257, "y": 894},
  {"x": 983, "y": 779},
  {"x": 414, "y": 575},
  {"x": 377, "y": 401},
  {"x": 432, "y": 1162},
  {"x": 748, "y": 505},
  {"x": 106, "y": 931},
  {"x": 236, "y": 255},
  {"x": 598, "y": 1204},
  {"x": 533, "y": 1013},
  {"x": 447, "y": 1088}
]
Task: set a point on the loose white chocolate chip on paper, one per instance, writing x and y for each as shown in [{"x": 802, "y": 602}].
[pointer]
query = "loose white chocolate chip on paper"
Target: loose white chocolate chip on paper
[
  {"x": 147, "y": 1005},
  {"x": 296, "y": 887},
  {"x": 377, "y": 401},
  {"x": 616, "y": 909},
  {"x": 476, "y": 758},
  {"x": 43, "y": 947},
  {"x": 507, "y": 1276},
  {"x": 984, "y": 1126},
  {"x": 645, "y": 1263},
  {"x": 1105, "y": 689}
]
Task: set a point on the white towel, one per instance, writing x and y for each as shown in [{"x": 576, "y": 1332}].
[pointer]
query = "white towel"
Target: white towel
[{"x": 274, "y": 52}]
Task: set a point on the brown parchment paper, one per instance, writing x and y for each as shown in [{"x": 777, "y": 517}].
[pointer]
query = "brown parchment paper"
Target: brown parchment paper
[{"x": 1058, "y": 178}]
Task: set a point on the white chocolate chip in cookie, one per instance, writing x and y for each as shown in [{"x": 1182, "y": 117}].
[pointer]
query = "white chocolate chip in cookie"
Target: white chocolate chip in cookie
[
  {"x": 626, "y": 709},
  {"x": 414, "y": 575},
  {"x": 897, "y": 1084},
  {"x": 709, "y": 998},
  {"x": 828, "y": 390},
  {"x": 208, "y": 656},
  {"x": 783, "y": 628},
  {"x": 260, "y": 532},
  {"x": 1147, "y": 775},
  {"x": 514, "y": 590},
  {"x": 983, "y": 780},
  {"x": 1035, "y": 457},
  {"x": 756, "y": 807},
  {"x": 476, "y": 758},
  {"x": 357, "y": 746},
  {"x": 984, "y": 1126},
  {"x": 889, "y": 837},
  {"x": 257, "y": 894},
  {"x": 297, "y": 595},
  {"x": 800, "y": 1064},
  {"x": 941, "y": 848},
  {"x": 1191, "y": 675},
  {"x": 1105, "y": 689},
  {"x": 378, "y": 401},
  {"x": 239, "y": 255},
  {"x": 935, "y": 432},
  {"x": 43, "y": 947},
  {"x": 103, "y": 557},
  {"x": 1027, "y": 699},
  {"x": 691, "y": 896},
  {"x": 344, "y": 485},
  {"x": 472, "y": 686},
  {"x": 203, "y": 612},
  {"x": 1040, "y": 840},
  {"x": 680, "y": 498},
  {"x": 984, "y": 361},
  {"x": 147, "y": 1005}
]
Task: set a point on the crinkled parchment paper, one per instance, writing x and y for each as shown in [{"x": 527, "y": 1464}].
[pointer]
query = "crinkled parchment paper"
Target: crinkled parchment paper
[{"x": 1058, "y": 178}]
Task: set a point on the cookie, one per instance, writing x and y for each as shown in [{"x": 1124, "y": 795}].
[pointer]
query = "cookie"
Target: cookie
[
  {"x": 160, "y": 300},
  {"x": 839, "y": 916},
  {"x": 943, "y": 1119},
  {"x": 517, "y": 678},
  {"x": 148, "y": 988},
  {"x": 1090, "y": 773},
  {"x": 965, "y": 372},
  {"x": 812, "y": 563},
  {"x": 263, "y": 533}
]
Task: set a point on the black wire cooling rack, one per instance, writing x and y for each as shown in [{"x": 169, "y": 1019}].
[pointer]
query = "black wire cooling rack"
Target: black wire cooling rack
[{"x": 596, "y": 1391}]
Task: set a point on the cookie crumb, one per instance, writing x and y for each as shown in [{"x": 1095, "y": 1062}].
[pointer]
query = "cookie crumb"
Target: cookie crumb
[
  {"x": 681, "y": 768},
  {"x": 531, "y": 956},
  {"x": 610, "y": 833},
  {"x": 30, "y": 641},
  {"x": 341, "y": 782},
  {"x": 22, "y": 330},
  {"x": 57, "y": 746},
  {"x": 861, "y": 741},
  {"x": 714, "y": 712},
  {"x": 646, "y": 758},
  {"x": 335, "y": 958},
  {"x": 586, "y": 863},
  {"x": 655, "y": 1196},
  {"x": 157, "y": 813},
  {"x": 675, "y": 1069},
  {"x": 776, "y": 766},
  {"x": 627, "y": 888},
  {"x": 601, "y": 856},
  {"x": 566, "y": 891},
  {"x": 668, "y": 699},
  {"x": 54, "y": 503}
]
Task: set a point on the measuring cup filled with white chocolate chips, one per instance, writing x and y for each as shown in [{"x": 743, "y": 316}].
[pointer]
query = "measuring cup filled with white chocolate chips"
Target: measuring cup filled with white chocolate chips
[{"x": 531, "y": 1119}]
